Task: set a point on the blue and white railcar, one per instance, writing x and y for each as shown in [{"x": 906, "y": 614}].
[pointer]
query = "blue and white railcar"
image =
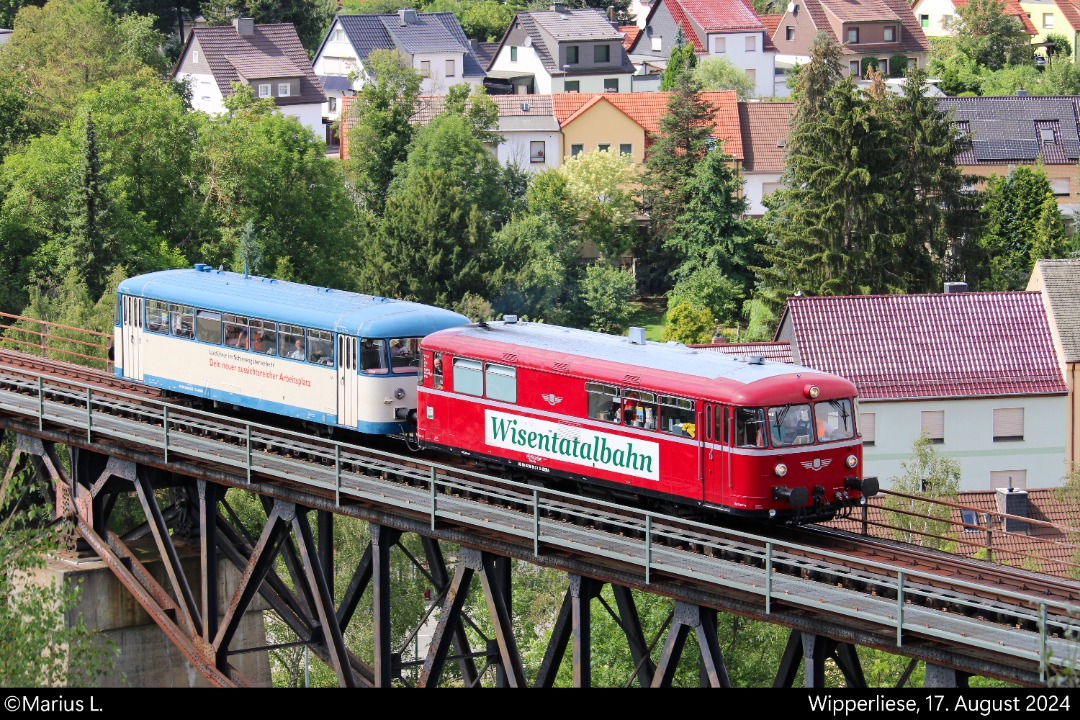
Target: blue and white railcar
[{"x": 325, "y": 356}]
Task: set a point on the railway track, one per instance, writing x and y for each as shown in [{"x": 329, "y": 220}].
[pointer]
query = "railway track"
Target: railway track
[{"x": 376, "y": 472}]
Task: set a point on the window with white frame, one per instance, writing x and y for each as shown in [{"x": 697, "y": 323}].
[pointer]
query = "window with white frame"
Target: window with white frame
[
  {"x": 752, "y": 74},
  {"x": 576, "y": 150},
  {"x": 852, "y": 35},
  {"x": 339, "y": 35},
  {"x": 889, "y": 34},
  {"x": 1048, "y": 20},
  {"x": 331, "y": 103},
  {"x": 537, "y": 150},
  {"x": 933, "y": 425},
  {"x": 868, "y": 426},
  {"x": 789, "y": 32},
  {"x": 751, "y": 43},
  {"x": 924, "y": 21},
  {"x": 1008, "y": 424},
  {"x": 720, "y": 46},
  {"x": 513, "y": 53},
  {"x": 195, "y": 56},
  {"x": 1060, "y": 186},
  {"x": 657, "y": 44},
  {"x": 626, "y": 148},
  {"x": 854, "y": 69},
  {"x": 1016, "y": 479},
  {"x": 611, "y": 84},
  {"x": 283, "y": 90},
  {"x": 265, "y": 90},
  {"x": 451, "y": 68},
  {"x": 425, "y": 68}
]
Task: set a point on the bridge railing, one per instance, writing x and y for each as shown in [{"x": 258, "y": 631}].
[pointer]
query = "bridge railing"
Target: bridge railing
[{"x": 55, "y": 341}]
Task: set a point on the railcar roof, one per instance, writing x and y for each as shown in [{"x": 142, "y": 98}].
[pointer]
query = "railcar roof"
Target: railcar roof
[
  {"x": 289, "y": 302},
  {"x": 585, "y": 344}
]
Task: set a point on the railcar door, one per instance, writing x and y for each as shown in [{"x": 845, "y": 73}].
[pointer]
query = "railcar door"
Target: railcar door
[
  {"x": 347, "y": 381},
  {"x": 716, "y": 456},
  {"x": 131, "y": 337}
]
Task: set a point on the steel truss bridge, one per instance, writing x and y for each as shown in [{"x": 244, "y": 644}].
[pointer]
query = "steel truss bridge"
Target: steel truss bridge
[{"x": 126, "y": 447}]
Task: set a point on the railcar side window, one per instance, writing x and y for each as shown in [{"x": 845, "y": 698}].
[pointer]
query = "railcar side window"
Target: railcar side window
[
  {"x": 790, "y": 425},
  {"x": 436, "y": 371},
  {"x": 603, "y": 401},
  {"x": 182, "y": 320},
  {"x": 835, "y": 421},
  {"x": 236, "y": 330},
  {"x": 501, "y": 382},
  {"x": 749, "y": 427},
  {"x": 404, "y": 354},
  {"x": 468, "y": 377},
  {"x": 157, "y": 316},
  {"x": 320, "y": 347},
  {"x": 264, "y": 336},
  {"x": 291, "y": 341},
  {"x": 639, "y": 409},
  {"x": 677, "y": 416},
  {"x": 208, "y": 326}
]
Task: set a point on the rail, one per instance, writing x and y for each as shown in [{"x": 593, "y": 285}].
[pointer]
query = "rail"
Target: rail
[{"x": 904, "y": 603}]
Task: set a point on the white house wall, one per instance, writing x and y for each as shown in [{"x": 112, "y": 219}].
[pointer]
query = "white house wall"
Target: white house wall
[
  {"x": 516, "y": 150},
  {"x": 937, "y": 10},
  {"x": 436, "y": 82},
  {"x": 528, "y": 63},
  {"x": 754, "y": 191},
  {"x": 309, "y": 115},
  {"x": 205, "y": 94},
  {"x": 969, "y": 439},
  {"x": 762, "y": 62}
]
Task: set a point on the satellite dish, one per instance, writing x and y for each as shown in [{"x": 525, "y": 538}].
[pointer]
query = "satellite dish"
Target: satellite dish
[
  {"x": 528, "y": 41},
  {"x": 791, "y": 7}
]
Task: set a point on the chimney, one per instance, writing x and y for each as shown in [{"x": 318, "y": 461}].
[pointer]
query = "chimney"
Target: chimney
[
  {"x": 1021, "y": 92},
  {"x": 406, "y": 16},
  {"x": 244, "y": 25},
  {"x": 955, "y": 287},
  {"x": 1011, "y": 501}
]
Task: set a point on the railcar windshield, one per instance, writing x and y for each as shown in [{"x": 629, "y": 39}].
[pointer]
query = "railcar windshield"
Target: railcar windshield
[
  {"x": 405, "y": 355},
  {"x": 790, "y": 425},
  {"x": 835, "y": 421}
]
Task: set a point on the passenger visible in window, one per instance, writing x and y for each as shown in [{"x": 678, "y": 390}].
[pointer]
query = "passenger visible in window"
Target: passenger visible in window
[
  {"x": 372, "y": 356},
  {"x": 321, "y": 354},
  {"x": 298, "y": 349},
  {"x": 436, "y": 376}
]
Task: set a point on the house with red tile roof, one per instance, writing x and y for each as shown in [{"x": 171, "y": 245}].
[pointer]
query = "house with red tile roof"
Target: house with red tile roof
[
  {"x": 764, "y": 127},
  {"x": 976, "y": 372},
  {"x": 269, "y": 58},
  {"x": 1058, "y": 281},
  {"x": 729, "y": 29},
  {"x": 935, "y": 15},
  {"x": 627, "y": 122},
  {"x": 884, "y": 31}
]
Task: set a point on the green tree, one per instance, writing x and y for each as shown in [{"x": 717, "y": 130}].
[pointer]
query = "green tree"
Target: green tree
[
  {"x": 1023, "y": 225},
  {"x": 989, "y": 36},
  {"x": 599, "y": 186},
  {"x": 836, "y": 212},
  {"x": 813, "y": 82},
  {"x": 605, "y": 296},
  {"x": 380, "y": 138},
  {"x": 708, "y": 287},
  {"x": 927, "y": 479},
  {"x": 67, "y": 47},
  {"x": 710, "y": 232},
  {"x": 256, "y": 164},
  {"x": 935, "y": 210},
  {"x": 535, "y": 276},
  {"x": 683, "y": 139},
  {"x": 43, "y": 643},
  {"x": 718, "y": 73},
  {"x": 681, "y": 61},
  {"x": 687, "y": 323}
]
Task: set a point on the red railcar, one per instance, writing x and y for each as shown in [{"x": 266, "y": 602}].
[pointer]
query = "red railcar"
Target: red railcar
[{"x": 661, "y": 421}]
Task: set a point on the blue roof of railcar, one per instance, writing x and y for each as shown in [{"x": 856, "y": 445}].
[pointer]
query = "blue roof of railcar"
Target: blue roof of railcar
[{"x": 289, "y": 302}]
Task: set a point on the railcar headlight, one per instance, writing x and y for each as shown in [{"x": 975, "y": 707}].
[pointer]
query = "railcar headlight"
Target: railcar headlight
[
  {"x": 781, "y": 470},
  {"x": 812, "y": 391},
  {"x": 852, "y": 461},
  {"x": 400, "y": 393}
]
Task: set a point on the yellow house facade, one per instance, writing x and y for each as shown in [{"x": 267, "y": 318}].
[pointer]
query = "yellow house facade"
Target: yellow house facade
[
  {"x": 589, "y": 124},
  {"x": 1054, "y": 17}
]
